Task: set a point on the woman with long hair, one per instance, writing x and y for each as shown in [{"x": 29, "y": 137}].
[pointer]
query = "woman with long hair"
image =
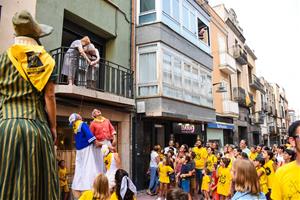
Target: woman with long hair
[
  {"x": 246, "y": 181},
  {"x": 125, "y": 189},
  {"x": 100, "y": 190}
]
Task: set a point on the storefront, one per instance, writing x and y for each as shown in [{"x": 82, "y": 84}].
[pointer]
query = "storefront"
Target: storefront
[
  {"x": 222, "y": 133},
  {"x": 185, "y": 133}
]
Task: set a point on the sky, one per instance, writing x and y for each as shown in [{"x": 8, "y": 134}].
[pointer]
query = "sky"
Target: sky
[{"x": 272, "y": 30}]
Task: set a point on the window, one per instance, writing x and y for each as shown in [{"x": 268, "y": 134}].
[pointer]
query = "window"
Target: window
[
  {"x": 185, "y": 15},
  {"x": 193, "y": 23},
  {"x": 167, "y": 65},
  {"x": 147, "y": 68},
  {"x": 177, "y": 73},
  {"x": 147, "y": 11},
  {"x": 147, "y": 5},
  {"x": 176, "y": 9},
  {"x": 167, "y": 6},
  {"x": 203, "y": 32},
  {"x": 147, "y": 74}
]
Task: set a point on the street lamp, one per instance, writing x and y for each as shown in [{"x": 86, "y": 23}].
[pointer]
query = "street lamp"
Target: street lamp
[{"x": 221, "y": 88}]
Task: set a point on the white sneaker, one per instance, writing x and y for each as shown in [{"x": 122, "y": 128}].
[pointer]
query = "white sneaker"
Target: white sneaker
[{"x": 158, "y": 198}]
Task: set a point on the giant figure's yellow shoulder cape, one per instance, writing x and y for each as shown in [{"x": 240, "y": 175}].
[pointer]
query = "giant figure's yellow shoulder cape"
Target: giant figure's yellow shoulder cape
[{"x": 33, "y": 62}]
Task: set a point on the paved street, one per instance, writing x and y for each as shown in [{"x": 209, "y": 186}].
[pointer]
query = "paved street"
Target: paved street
[{"x": 143, "y": 196}]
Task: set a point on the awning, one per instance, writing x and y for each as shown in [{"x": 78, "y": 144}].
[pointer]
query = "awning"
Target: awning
[{"x": 220, "y": 126}]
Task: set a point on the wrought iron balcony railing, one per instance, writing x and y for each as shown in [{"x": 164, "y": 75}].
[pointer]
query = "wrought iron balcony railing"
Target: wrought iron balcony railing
[
  {"x": 106, "y": 76},
  {"x": 239, "y": 95},
  {"x": 256, "y": 84}
]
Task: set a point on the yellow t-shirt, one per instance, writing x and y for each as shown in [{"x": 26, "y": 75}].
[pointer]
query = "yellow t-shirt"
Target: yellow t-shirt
[
  {"x": 201, "y": 156},
  {"x": 62, "y": 174},
  {"x": 286, "y": 182},
  {"x": 115, "y": 197},
  {"x": 252, "y": 156},
  {"x": 163, "y": 173},
  {"x": 270, "y": 172},
  {"x": 224, "y": 181},
  {"x": 205, "y": 183},
  {"x": 107, "y": 160},
  {"x": 263, "y": 180},
  {"x": 87, "y": 195},
  {"x": 211, "y": 160}
]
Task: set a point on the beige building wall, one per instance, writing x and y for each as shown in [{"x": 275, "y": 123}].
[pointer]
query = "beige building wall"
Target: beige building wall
[{"x": 9, "y": 8}]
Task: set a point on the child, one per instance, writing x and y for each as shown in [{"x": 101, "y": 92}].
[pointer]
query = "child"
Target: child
[
  {"x": 205, "y": 184},
  {"x": 125, "y": 189},
  {"x": 186, "y": 173},
  {"x": 246, "y": 181},
  {"x": 164, "y": 170},
  {"x": 214, "y": 183},
  {"x": 253, "y": 154},
  {"x": 100, "y": 190},
  {"x": 270, "y": 167},
  {"x": 224, "y": 179},
  {"x": 112, "y": 164},
  {"x": 211, "y": 159},
  {"x": 63, "y": 182},
  {"x": 261, "y": 173},
  {"x": 193, "y": 177}
]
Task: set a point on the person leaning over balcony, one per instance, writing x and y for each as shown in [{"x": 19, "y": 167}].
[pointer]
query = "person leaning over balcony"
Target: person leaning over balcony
[
  {"x": 286, "y": 182},
  {"x": 27, "y": 115},
  {"x": 71, "y": 59},
  {"x": 93, "y": 54}
]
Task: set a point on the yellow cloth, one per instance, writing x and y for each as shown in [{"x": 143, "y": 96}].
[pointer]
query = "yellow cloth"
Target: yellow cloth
[
  {"x": 224, "y": 181},
  {"x": 32, "y": 61},
  {"x": 205, "y": 183},
  {"x": 201, "y": 157},
  {"x": 62, "y": 174},
  {"x": 76, "y": 126},
  {"x": 248, "y": 100},
  {"x": 211, "y": 160},
  {"x": 108, "y": 160},
  {"x": 115, "y": 197},
  {"x": 270, "y": 172},
  {"x": 163, "y": 173},
  {"x": 286, "y": 182},
  {"x": 252, "y": 156},
  {"x": 263, "y": 180}
]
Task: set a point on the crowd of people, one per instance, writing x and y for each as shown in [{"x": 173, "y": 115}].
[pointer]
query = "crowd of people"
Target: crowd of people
[{"x": 232, "y": 172}]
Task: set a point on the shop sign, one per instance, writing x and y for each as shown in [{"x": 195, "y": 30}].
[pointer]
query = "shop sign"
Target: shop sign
[
  {"x": 220, "y": 126},
  {"x": 187, "y": 128},
  {"x": 182, "y": 128}
]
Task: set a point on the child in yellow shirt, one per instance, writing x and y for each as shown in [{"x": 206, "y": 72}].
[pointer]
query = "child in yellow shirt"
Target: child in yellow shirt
[
  {"x": 164, "y": 170},
  {"x": 224, "y": 181},
  {"x": 205, "y": 184},
  {"x": 63, "y": 182},
  {"x": 253, "y": 154},
  {"x": 261, "y": 173}
]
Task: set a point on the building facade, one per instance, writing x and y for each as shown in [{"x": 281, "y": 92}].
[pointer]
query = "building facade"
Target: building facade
[
  {"x": 111, "y": 89},
  {"x": 173, "y": 77}
]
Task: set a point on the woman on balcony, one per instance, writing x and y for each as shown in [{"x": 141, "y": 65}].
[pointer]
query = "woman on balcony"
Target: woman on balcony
[
  {"x": 72, "y": 56},
  {"x": 91, "y": 74},
  {"x": 28, "y": 115}
]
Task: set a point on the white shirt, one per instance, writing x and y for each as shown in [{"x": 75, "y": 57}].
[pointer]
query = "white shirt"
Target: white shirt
[
  {"x": 153, "y": 156},
  {"x": 169, "y": 148}
]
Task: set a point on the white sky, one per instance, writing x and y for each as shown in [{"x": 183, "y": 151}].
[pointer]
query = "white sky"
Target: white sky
[{"x": 272, "y": 30}]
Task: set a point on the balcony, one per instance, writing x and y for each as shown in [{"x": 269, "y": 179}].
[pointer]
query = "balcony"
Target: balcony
[
  {"x": 256, "y": 84},
  {"x": 271, "y": 130},
  {"x": 227, "y": 63},
  {"x": 230, "y": 107},
  {"x": 258, "y": 118},
  {"x": 239, "y": 95},
  {"x": 240, "y": 54},
  {"x": 107, "y": 80}
]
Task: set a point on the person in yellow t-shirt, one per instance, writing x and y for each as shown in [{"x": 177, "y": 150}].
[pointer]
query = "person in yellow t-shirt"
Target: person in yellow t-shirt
[
  {"x": 253, "y": 154},
  {"x": 262, "y": 175},
  {"x": 164, "y": 170},
  {"x": 286, "y": 182},
  {"x": 224, "y": 179},
  {"x": 200, "y": 162},
  {"x": 100, "y": 190},
  {"x": 63, "y": 181},
  {"x": 211, "y": 159},
  {"x": 205, "y": 184},
  {"x": 270, "y": 168}
]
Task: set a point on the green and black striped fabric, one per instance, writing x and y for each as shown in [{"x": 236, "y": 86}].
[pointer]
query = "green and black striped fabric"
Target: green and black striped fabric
[{"x": 28, "y": 168}]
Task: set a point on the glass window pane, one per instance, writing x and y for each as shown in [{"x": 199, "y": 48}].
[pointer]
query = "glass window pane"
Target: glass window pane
[
  {"x": 176, "y": 9},
  {"x": 147, "y": 5},
  {"x": 167, "y": 62},
  {"x": 147, "y": 90},
  {"x": 147, "y": 68},
  {"x": 193, "y": 23},
  {"x": 167, "y": 6},
  {"x": 147, "y": 18}
]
